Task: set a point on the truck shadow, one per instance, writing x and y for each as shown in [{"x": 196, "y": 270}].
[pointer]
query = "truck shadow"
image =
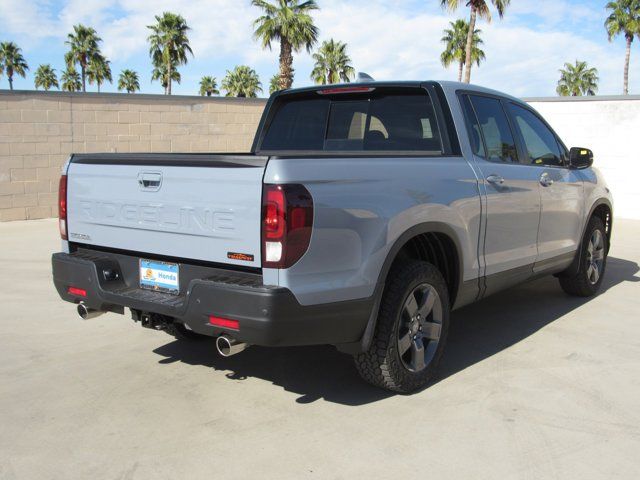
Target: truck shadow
[{"x": 477, "y": 332}]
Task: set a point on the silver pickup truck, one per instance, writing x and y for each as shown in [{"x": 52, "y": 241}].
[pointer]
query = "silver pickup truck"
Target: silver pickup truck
[{"x": 363, "y": 215}]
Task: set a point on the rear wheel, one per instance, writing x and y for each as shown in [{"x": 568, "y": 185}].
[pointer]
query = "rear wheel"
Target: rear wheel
[
  {"x": 593, "y": 261},
  {"x": 411, "y": 330}
]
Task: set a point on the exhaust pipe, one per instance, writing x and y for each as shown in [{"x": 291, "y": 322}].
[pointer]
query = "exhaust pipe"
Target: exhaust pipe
[
  {"x": 87, "y": 313},
  {"x": 228, "y": 346}
]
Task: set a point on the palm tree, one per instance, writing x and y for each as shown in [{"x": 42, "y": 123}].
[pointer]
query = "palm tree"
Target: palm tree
[
  {"x": 169, "y": 44},
  {"x": 290, "y": 23},
  {"x": 83, "y": 47},
  {"x": 45, "y": 77},
  {"x": 332, "y": 64},
  {"x": 70, "y": 80},
  {"x": 455, "y": 40},
  {"x": 129, "y": 81},
  {"x": 576, "y": 80},
  {"x": 243, "y": 81},
  {"x": 160, "y": 73},
  {"x": 209, "y": 86},
  {"x": 12, "y": 62},
  {"x": 624, "y": 18},
  {"x": 274, "y": 84},
  {"x": 99, "y": 70},
  {"x": 479, "y": 8}
]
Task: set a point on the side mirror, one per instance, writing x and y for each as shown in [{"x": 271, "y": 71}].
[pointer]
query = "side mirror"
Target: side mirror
[{"x": 580, "y": 158}]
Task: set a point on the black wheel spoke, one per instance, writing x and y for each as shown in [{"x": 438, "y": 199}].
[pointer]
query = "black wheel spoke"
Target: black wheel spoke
[
  {"x": 431, "y": 330},
  {"x": 411, "y": 306},
  {"x": 404, "y": 343},
  {"x": 417, "y": 355},
  {"x": 428, "y": 302}
]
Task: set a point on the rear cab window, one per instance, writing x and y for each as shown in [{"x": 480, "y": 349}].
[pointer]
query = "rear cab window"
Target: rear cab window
[{"x": 381, "y": 119}]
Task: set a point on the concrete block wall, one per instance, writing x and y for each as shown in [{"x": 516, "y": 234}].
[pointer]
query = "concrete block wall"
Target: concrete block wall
[{"x": 38, "y": 131}]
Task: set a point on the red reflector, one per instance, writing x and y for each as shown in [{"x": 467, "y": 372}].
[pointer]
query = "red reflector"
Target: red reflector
[
  {"x": 77, "y": 291},
  {"x": 333, "y": 91},
  {"x": 224, "y": 322}
]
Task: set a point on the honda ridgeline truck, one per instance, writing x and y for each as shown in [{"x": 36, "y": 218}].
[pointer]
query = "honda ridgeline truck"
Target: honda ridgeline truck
[{"x": 363, "y": 215}]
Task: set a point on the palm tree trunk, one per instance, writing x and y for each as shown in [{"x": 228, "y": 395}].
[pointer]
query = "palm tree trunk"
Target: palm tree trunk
[
  {"x": 84, "y": 80},
  {"x": 472, "y": 28},
  {"x": 627, "y": 61},
  {"x": 286, "y": 63},
  {"x": 460, "y": 71},
  {"x": 169, "y": 79},
  {"x": 10, "y": 82}
]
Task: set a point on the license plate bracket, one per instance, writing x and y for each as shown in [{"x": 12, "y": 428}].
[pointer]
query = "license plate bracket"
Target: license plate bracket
[{"x": 160, "y": 276}]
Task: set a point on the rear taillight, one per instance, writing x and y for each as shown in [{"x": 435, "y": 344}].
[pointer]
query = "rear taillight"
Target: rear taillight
[
  {"x": 287, "y": 220},
  {"x": 62, "y": 206}
]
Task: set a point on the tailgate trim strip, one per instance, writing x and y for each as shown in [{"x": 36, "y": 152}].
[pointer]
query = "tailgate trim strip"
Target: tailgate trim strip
[{"x": 222, "y": 160}]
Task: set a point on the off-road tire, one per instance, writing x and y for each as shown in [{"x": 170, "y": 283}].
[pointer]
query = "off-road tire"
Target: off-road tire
[{"x": 381, "y": 365}]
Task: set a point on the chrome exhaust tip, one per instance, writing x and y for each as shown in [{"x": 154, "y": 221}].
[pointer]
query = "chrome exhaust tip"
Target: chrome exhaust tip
[
  {"x": 228, "y": 346},
  {"x": 87, "y": 313}
]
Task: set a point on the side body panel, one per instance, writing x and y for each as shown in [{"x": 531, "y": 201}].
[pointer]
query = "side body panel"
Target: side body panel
[
  {"x": 362, "y": 206},
  {"x": 563, "y": 213}
]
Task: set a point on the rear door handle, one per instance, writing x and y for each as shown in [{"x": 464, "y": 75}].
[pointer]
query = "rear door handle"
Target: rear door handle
[
  {"x": 495, "y": 179},
  {"x": 546, "y": 180}
]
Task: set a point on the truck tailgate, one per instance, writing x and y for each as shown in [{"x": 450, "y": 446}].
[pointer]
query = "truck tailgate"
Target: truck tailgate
[{"x": 200, "y": 207}]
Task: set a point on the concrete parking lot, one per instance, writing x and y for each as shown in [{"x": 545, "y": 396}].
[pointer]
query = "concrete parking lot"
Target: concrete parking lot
[{"x": 534, "y": 385}]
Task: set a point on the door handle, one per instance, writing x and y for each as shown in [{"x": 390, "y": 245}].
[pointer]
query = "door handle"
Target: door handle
[
  {"x": 546, "y": 180},
  {"x": 495, "y": 179}
]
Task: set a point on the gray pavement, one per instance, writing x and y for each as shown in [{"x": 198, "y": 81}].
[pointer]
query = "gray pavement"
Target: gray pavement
[{"x": 534, "y": 385}]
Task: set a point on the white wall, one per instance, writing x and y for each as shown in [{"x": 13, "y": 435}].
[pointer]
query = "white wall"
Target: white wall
[{"x": 610, "y": 126}]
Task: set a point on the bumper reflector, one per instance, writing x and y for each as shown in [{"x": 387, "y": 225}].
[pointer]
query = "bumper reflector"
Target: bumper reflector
[
  {"x": 224, "y": 322},
  {"x": 77, "y": 292}
]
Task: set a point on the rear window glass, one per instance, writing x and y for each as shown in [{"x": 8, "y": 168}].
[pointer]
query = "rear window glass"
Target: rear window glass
[{"x": 382, "y": 120}]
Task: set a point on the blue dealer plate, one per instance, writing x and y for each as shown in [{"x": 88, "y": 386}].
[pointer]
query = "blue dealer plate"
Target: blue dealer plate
[{"x": 160, "y": 276}]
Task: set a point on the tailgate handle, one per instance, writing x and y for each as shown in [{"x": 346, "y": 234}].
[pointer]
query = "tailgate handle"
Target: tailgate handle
[{"x": 150, "y": 181}]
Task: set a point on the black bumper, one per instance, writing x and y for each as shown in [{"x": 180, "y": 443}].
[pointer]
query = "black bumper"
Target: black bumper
[{"x": 268, "y": 316}]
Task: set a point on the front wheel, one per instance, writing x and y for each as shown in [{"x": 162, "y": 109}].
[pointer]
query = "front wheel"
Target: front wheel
[
  {"x": 411, "y": 330},
  {"x": 593, "y": 260}
]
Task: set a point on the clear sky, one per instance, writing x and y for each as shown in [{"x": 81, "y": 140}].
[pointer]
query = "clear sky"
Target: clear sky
[{"x": 392, "y": 39}]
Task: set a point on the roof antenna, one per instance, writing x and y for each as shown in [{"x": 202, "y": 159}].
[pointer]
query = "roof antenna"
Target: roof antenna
[{"x": 364, "y": 77}]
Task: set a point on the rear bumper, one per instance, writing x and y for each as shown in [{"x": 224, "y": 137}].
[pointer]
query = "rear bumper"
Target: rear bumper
[{"x": 268, "y": 316}]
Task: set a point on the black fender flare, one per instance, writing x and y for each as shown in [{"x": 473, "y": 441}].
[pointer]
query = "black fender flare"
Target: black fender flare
[{"x": 419, "y": 229}]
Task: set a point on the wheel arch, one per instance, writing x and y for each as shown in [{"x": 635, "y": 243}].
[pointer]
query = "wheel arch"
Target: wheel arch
[
  {"x": 603, "y": 209},
  {"x": 445, "y": 252}
]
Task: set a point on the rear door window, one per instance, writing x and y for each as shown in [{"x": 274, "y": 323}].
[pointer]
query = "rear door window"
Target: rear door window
[
  {"x": 496, "y": 132},
  {"x": 386, "y": 119}
]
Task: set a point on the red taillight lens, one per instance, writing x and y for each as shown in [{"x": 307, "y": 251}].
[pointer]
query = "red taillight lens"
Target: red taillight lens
[
  {"x": 224, "y": 322},
  {"x": 62, "y": 206},
  {"x": 287, "y": 220},
  {"x": 79, "y": 292}
]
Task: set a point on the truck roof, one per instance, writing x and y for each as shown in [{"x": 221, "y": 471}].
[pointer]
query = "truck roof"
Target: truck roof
[{"x": 448, "y": 86}]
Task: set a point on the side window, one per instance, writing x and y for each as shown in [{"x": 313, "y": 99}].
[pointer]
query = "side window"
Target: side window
[
  {"x": 496, "y": 132},
  {"x": 473, "y": 127},
  {"x": 540, "y": 142}
]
